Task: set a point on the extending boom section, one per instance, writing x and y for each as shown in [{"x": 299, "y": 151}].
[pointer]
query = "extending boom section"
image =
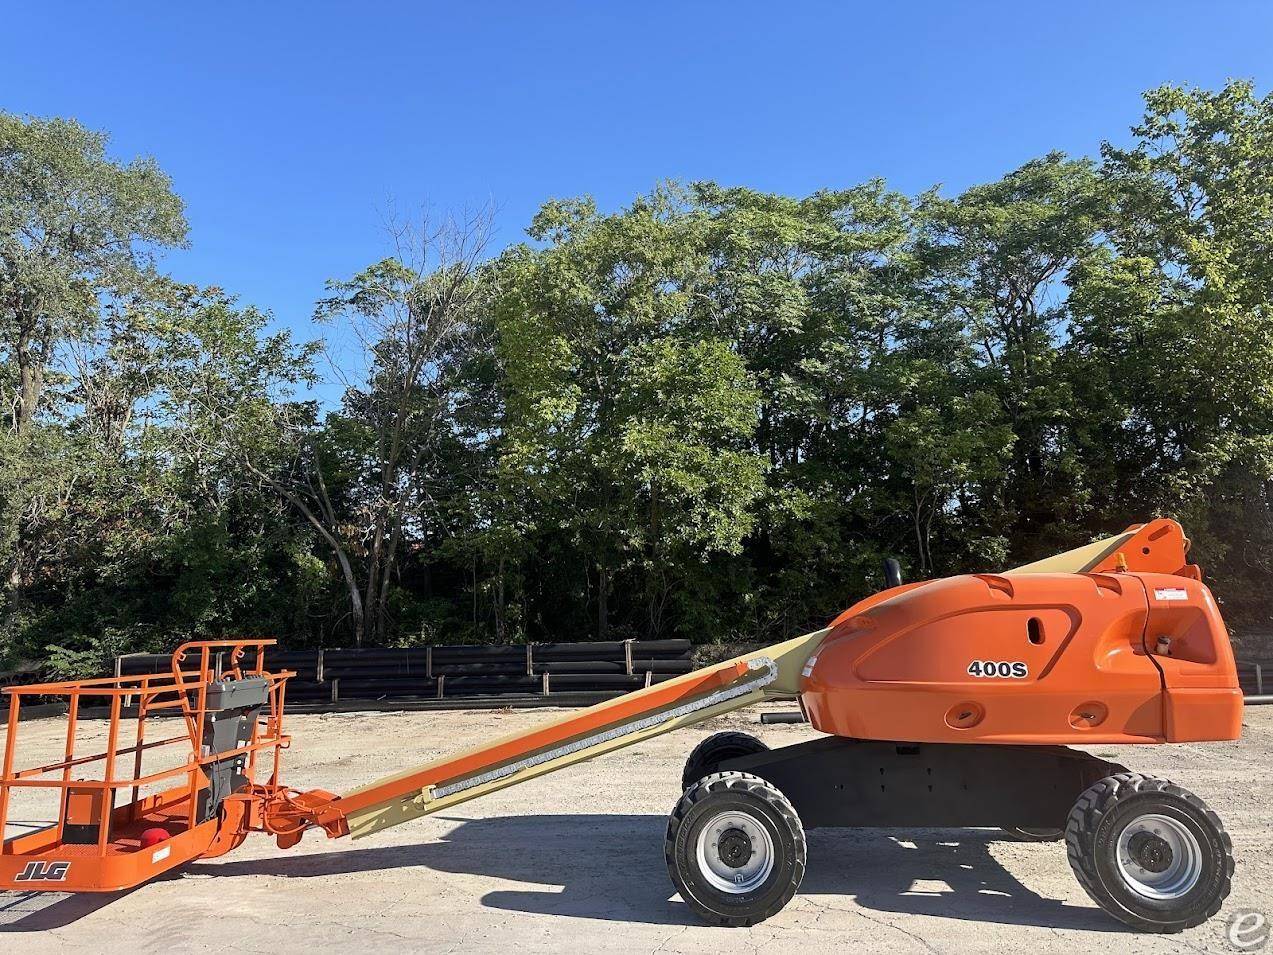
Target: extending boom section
[{"x": 770, "y": 673}]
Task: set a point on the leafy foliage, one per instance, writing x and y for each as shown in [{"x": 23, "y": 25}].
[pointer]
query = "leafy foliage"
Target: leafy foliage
[{"x": 709, "y": 413}]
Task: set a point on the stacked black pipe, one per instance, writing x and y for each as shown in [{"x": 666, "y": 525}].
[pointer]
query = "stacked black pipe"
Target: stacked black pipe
[
  {"x": 519, "y": 674},
  {"x": 1256, "y": 677}
]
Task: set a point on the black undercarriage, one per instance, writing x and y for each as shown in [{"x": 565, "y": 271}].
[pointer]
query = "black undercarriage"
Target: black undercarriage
[{"x": 834, "y": 781}]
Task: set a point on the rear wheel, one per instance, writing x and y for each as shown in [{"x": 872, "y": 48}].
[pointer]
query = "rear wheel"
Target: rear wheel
[
  {"x": 735, "y": 849},
  {"x": 709, "y": 754},
  {"x": 1149, "y": 852}
]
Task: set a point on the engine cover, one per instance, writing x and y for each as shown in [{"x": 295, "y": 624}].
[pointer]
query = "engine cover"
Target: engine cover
[{"x": 1036, "y": 658}]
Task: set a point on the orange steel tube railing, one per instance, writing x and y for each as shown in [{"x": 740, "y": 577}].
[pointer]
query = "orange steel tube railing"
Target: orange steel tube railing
[{"x": 183, "y": 689}]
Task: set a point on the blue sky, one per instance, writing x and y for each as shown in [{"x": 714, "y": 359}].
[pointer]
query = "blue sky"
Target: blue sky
[{"x": 289, "y": 128}]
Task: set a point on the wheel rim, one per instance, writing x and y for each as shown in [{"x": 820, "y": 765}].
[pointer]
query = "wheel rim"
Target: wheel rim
[
  {"x": 735, "y": 852},
  {"x": 1158, "y": 857}
]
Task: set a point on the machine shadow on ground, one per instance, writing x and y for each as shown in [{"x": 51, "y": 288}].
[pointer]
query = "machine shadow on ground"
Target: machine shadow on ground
[
  {"x": 44, "y": 911},
  {"x": 41, "y": 911},
  {"x": 611, "y": 867}
]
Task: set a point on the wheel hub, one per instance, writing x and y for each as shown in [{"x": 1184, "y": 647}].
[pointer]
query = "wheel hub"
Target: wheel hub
[
  {"x": 1158, "y": 857},
  {"x": 1150, "y": 852},
  {"x": 735, "y": 852},
  {"x": 734, "y": 848}
]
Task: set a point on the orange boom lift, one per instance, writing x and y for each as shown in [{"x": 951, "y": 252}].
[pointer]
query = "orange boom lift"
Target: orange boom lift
[{"x": 949, "y": 702}]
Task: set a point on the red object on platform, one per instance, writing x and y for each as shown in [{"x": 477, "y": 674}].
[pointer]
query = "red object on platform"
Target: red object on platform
[{"x": 152, "y": 837}]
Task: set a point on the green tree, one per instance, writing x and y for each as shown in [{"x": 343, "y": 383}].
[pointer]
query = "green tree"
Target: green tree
[
  {"x": 1000, "y": 258},
  {"x": 389, "y": 445},
  {"x": 629, "y": 421},
  {"x": 1174, "y": 345},
  {"x": 157, "y": 532},
  {"x": 815, "y": 292},
  {"x": 75, "y": 226},
  {"x": 76, "y": 229}
]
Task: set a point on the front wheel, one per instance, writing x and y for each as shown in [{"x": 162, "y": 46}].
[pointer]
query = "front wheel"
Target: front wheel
[
  {"x": 735, "y": 849},
  {"x": 1149, "y": 852}
]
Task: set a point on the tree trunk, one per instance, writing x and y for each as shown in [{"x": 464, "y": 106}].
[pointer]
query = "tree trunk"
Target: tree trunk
[
  {"x": 346, "y": 569},
  {"x": 31, "y": 386},
  {"x": 918, "y": 518},
  {"x": 373, "y": 581},
  {"x": 603, "y": 610},
  {"x": 11, "y": 595},
  {"x": 386, "y": 577},
  {"x": 501, "y": 622},
  {"x": 342, "y": 558},
  {"x": 355, "y": 598}
]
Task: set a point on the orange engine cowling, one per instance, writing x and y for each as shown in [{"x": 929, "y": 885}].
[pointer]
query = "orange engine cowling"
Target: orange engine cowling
[{"x": 1036, "y": 658}]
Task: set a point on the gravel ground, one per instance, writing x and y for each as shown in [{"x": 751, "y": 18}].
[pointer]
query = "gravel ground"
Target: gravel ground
[{"x": 573, "y": 862}]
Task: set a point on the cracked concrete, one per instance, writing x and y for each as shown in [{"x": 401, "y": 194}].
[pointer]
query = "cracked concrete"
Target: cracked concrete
[{"x": 574, "y": 862}]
